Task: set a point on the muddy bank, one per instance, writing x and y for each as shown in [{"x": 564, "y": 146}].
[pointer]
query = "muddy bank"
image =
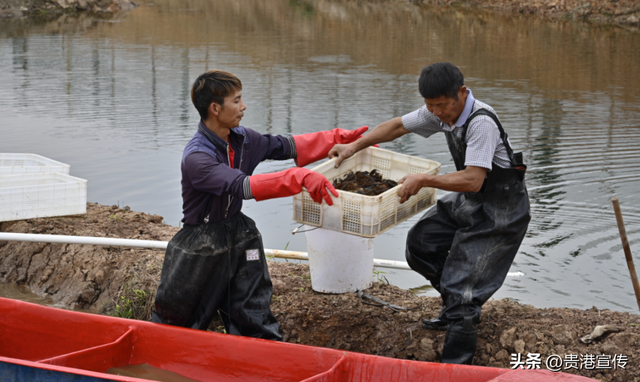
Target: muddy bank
[
  {"x": 84, "y": 276},
  {"x": 122, "y": 282},
  {"x": 615, "y": 12},
  {"x": 54, "y": 8}
]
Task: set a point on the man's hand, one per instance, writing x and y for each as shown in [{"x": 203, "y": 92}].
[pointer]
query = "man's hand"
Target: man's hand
[
  {"x": 384, "y": 132},
  {"x": 468, "y": 180},
  {"x": 342, "y": 152},
  {"x": 342, "y": 136},
  {"x": 411, "y": 185},
  {"x": 290, "y": 182},
  {"x": 311, "y": 147},
  {"x": 319, "y": 187}
]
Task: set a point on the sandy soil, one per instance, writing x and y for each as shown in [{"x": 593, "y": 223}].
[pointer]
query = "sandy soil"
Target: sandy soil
[{"x": 120, "y": 281}]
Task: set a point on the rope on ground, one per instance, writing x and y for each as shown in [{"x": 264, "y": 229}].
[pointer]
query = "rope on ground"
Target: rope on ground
[{"x": 380, "y": 303}]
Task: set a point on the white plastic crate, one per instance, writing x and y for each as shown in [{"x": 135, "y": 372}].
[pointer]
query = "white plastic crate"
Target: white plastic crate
[
  {"x": 29, "y": 163},
  {"x": 27, "y": 196},
  {"x": 367, "y": 216}
]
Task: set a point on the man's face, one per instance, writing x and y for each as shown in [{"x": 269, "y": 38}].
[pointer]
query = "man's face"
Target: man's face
[
  {"x": 231, "y": 113},
  {"x": 447, "y": 109}
]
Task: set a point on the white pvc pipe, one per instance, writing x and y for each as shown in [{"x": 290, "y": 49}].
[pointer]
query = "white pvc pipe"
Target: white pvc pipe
[{"x": 90, "y": 240}]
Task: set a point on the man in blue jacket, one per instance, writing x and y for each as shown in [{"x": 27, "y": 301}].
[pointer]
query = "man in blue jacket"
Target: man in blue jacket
[{"x": 216, "y": 263}]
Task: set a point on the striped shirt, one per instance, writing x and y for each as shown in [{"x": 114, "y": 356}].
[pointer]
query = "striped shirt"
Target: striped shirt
[{"x": 484, "y": 146}]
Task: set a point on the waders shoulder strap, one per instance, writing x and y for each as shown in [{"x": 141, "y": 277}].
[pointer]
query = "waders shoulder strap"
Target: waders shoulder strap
[{"x": 516, "y": 159}]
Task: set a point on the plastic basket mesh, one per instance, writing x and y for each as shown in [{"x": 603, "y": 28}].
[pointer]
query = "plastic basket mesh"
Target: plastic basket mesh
[
  {"x": 425, "y": 198},
  {"x": 388, "y": 213},
  {"x": 383, "y": 165},
  {"x": 407, "y": 209},
  {"x": 351, "y": 213},
  {"x": 417, "y": 169},
  {"x": 310, "y": 210},
  {"x": 27, "y": 196},
  {"x": 12, "y": 162},
  {"x": 364, "y": 215}
]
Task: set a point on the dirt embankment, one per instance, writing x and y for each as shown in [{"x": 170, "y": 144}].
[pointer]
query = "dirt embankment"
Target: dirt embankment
[
  {"x": 122, "y": 282},
  {"x": 85, "y": 276},
  {"x": 616, "y": 12},
  {"x": 49, "y": 8}
]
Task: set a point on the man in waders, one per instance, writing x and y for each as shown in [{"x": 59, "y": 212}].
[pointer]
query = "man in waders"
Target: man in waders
[
  {"x": 466, "y": 243},
  {"x": 216, "y": 262}
]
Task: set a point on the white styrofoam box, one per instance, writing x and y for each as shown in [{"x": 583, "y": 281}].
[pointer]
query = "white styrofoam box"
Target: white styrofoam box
[
  {"x": 37, "y": 195},
  {"x": 362, "y": 215},
  {"x": 28, "y": 163}
]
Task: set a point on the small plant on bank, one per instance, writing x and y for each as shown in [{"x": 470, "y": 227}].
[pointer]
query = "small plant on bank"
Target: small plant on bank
[
  {"x": 128, "y": 304},
  {"x": 378, "y": 275},
  {"x": 132, "y": 303}
]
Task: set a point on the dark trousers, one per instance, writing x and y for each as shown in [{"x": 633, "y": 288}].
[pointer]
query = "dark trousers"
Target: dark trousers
[
  {"x": 215, "y": 267},
  {"x": 465, "y": 249}
]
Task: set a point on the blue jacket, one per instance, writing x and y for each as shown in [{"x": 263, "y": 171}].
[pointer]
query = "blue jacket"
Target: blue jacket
[{"x": 211, "y": 189}]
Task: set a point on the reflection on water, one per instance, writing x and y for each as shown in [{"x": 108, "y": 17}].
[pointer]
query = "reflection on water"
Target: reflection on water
[{"x": 112, "y": 100}]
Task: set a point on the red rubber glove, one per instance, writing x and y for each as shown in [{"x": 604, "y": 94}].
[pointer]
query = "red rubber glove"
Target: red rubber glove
[
  {"x": 290, "y": 182},
  {"x": 312, "y": 147}
]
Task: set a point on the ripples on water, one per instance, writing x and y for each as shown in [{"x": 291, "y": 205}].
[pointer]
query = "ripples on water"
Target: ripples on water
[{"x": 112, "y": 100}]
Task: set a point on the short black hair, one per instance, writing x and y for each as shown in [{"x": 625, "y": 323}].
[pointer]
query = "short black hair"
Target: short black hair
[
  {"x": 440, "y": 79},
  {"x": 213, "y": 86}
]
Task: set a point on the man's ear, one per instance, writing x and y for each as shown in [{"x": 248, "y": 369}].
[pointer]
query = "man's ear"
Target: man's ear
[
  {"x": 462, "y": 90},
  {"x": 214, "y": 109}
]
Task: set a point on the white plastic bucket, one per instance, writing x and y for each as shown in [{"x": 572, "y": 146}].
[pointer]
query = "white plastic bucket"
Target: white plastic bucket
[{"x": 339, "y": 262}]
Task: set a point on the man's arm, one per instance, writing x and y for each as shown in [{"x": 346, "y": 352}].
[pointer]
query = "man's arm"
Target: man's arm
[
  {"x": 312, "y": 147},
  {"x": 384, "y": 132},
  {"x": 468, "y": 180},
  {"x": 206, "y": 174}
]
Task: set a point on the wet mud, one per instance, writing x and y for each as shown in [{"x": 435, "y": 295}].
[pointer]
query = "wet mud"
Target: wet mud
[{"x": 122, "y": 282}]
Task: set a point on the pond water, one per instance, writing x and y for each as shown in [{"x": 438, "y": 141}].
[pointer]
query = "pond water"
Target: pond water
[
  {"x": 22, "y": 292},
  {"x": 111, "y": 98},
  {"x": 146, "y": 371}
]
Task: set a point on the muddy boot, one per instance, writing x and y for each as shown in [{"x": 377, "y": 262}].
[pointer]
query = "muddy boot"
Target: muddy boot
[
  {"x": 438, "y": 323},
  {"x": 435, "y": 324},
  {"x": 460, "y": 342}
]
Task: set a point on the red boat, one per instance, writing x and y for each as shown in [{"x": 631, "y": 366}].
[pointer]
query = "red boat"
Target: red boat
[{"x": 39, "y": 343}]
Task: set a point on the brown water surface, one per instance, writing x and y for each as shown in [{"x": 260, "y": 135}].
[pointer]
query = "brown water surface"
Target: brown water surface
[
  {"x": 20, "y": 292},
  {"x": 146, "y": 371}
]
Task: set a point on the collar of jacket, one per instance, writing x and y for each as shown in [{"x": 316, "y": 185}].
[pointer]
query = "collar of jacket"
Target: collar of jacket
[{"x": 218, "y": 142}]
